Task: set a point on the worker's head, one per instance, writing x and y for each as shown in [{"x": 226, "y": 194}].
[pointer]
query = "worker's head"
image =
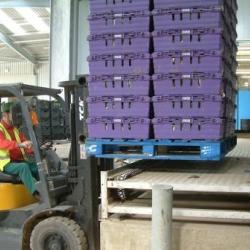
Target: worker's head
[
  {"x": 33, "y": 103},
  {"x": 6, "y": 112}
]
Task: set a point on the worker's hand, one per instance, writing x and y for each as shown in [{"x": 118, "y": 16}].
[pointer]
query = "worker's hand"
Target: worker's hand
[{"x": 25, "y": 144}]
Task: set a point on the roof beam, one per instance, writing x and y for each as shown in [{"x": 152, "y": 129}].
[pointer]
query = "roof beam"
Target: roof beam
[
  {"x": 24, "y": 3},
  {"x": 22, "y": 52}
]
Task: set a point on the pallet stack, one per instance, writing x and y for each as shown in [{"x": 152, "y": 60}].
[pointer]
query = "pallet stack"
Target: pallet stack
[
  {"x": 186, "y": 48},
  {"x": 59, "y": 132},
  {"x": 194, "y": 69},
  {"x": 120, "y": 68},
  {"x": 44, "y": 115},
  {"x": 52, "y": 120}
]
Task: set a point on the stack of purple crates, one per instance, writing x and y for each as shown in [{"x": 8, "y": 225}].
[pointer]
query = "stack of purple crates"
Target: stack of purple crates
[
  {"x": 194, "y": 69},
  {"x": 120, "y": 67}
]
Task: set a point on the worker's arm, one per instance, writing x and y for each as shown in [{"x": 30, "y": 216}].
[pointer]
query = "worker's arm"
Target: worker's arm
[
  {"x": 28, "y": 150},
  {"x": 7, "y": 144}
]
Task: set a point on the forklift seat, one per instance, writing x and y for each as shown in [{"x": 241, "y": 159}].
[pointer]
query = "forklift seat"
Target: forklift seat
[
  {"x": 6, "y": 178},
  {"x": 13, "y": 193}
]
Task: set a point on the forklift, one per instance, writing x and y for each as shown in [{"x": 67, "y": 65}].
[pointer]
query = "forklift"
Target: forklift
[{"x": 67, "y": 215}]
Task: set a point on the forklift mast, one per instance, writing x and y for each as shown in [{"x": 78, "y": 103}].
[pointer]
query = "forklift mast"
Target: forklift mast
[{"x": 83, "y": 171}]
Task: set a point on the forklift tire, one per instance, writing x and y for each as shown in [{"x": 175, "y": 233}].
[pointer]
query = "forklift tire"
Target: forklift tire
[{"x": 58, "y": 233}]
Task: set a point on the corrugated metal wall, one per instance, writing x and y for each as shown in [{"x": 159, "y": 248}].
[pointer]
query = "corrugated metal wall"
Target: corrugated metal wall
[
  {"x": 24, "y": 72},
  {"x": 43, "y": 75}
]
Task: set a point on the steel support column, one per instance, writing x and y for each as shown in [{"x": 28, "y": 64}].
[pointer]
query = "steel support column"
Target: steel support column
[
  {"x": 162, "y": 205},
  {"x": 64, "y": 40}
]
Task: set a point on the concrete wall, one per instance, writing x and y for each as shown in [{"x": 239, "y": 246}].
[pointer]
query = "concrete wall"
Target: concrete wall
[{"x": 129, "y": 234}]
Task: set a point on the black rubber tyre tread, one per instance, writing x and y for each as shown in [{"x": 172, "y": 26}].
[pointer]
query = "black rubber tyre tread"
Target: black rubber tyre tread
[{"x": 58, "y": 223}]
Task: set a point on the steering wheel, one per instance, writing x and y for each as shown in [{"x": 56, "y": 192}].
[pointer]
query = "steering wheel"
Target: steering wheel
[{"x": 46, "y": 145}]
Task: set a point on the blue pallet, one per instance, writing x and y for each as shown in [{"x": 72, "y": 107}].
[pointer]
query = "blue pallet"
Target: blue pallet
[{"x": 195, "y": 150}]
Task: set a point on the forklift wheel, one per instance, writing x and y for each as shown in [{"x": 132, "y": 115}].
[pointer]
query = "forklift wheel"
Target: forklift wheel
[{"x": 58, "y": 233}]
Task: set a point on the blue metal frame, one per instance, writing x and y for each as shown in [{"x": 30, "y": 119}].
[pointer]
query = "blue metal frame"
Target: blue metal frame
[{"x": 209, "y": 150}]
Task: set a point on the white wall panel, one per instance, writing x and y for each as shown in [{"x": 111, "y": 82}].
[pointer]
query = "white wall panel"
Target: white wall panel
[
  {"x": 24, "y": 72},
  {"x": 43, "y": 75}
]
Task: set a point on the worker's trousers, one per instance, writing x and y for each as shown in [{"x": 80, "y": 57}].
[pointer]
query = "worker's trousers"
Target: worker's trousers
[{"x": 28, "y": 173}]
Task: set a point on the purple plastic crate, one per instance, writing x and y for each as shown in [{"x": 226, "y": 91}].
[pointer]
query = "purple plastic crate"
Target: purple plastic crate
[
  {"x": 136, "y": 21},
  {"x": 119, "y": 42},
  {"x": 133, "y": 106},
  {"x": 118, "y": 128},
  {"x": 189, "y": 128},
  {"x": 98, "y": 6},
  {"x": 192, "y": 61},
  {"x": 194, "y": 3},
  {"x": 118, "y": 85},
  {"x": 133, "y": 63},
  {"x": 192, "y": 39},
  {"x": 195, "y": 105},
  {"x": 191, "y": 84},
  {"x": 192, "y": 18}
]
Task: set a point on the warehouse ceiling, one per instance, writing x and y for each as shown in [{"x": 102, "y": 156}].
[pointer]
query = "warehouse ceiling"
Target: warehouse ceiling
[{"x": 24, "y": 34}]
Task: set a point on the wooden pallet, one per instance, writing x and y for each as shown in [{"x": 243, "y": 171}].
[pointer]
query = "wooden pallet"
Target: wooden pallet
[{"x": 160, "y": 149}]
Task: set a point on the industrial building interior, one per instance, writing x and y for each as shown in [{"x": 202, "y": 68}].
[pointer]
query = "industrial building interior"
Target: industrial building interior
[{"x": 152, "y": 184}]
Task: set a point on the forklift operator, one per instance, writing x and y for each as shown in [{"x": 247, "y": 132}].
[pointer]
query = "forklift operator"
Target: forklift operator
[{"x": 13, "y": 150}]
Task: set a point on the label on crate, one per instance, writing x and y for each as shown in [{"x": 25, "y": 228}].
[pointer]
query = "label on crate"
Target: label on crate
[
  {"x": 186, "y": 98},
  {"x": 118, "y": 15},
  {"x": 117, "y": 120},
  {"x": 185, "y": 10},
  {"x": 117, "y": 78},
  {"x": 185, "y": 32},
  {"x": 83, "y": 153},
  {"x": 117, "y": 57},
  {"x": 186, "y": 54},
  {"x": 117, "y": 99},
  {"x": 186, "y": 120},
  {"x": 118, "y": 36},
  {"x": 186, "y": 76}
]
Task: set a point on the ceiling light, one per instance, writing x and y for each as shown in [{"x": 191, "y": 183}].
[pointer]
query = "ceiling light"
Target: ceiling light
[
  {"x": 245, "y": 77},
  {"x": 243, "y": 53},
  {"x": 243, "y": 59},
  {"x": 10, "y": 24},
  {"x": 7, "y": 70},
  {"x": 244, "y": 48},
  {"x": 243, "y": 72},
  {"x": 246, "y": 84},
  {"x": 33, "y": 19}
]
